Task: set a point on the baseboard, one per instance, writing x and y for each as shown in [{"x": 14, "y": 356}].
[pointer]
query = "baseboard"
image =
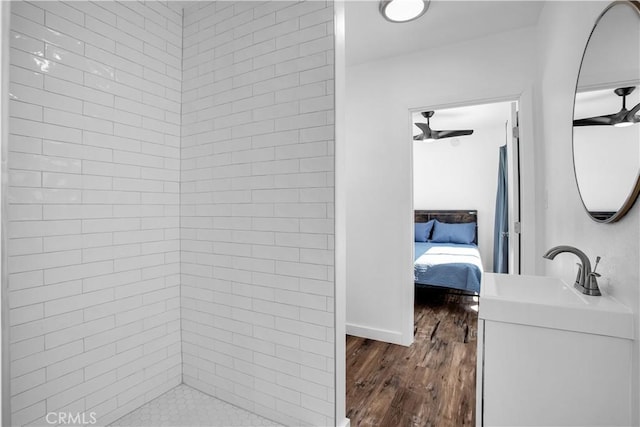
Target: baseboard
[
  {"x": 346, "y": 422},
  {"x": 392, "y": 337}
]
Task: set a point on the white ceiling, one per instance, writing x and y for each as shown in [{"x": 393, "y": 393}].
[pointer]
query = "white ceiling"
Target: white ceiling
[{"x": 370, "y": 37}]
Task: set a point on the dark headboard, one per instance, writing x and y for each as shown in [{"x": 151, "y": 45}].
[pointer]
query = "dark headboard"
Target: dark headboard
[{"x": 450, "y": 216}]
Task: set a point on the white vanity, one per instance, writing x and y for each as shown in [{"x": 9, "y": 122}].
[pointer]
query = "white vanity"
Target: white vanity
[{"x": 551, "y": 356}]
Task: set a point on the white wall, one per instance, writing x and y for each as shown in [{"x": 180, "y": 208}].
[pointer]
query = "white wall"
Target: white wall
[
  {"x": 257, "y": 207},
  {"x": 379, "y": 196},
  {"x": 93, "y": 199},
  {"x": 606, "y": 184},
  {"x": 462, "y": 173},
  {"x": 564, "y": 28}
]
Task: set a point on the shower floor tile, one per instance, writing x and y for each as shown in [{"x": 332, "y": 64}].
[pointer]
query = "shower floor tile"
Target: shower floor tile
[{"x": 184, "y": 406}]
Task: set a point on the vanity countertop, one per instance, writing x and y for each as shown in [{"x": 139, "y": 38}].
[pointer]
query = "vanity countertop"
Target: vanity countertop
[{"x": 552, "y": 303}]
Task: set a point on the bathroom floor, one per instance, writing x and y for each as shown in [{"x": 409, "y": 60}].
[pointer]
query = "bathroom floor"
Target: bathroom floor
[{"x": 184, "y": 406}]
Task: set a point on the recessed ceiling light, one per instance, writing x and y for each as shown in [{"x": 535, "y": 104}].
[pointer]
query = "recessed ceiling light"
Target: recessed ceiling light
[{"x": 403, "y": 10}]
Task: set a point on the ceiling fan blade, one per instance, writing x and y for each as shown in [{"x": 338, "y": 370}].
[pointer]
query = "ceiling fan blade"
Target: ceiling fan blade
[
  {"x": 631, "y": 115},
  {"x": 423, "y": 127},
  {"x": 451, "y": 133},
  {"x": 607, "y": 120},
  {"x": 418, "y": 137},
  {"x": 616, "y": 118},
  {"x": 426, "y": 131}
]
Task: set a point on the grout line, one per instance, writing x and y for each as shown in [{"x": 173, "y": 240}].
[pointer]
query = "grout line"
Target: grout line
[{"x": 180, "y": 201}]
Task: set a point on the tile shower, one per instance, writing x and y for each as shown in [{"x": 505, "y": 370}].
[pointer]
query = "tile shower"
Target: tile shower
[{"x": 170, "y": 207}]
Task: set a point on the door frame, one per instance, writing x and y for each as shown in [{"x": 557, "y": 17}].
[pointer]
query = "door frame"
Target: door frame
[
  {"x": 513, "y": 170},
  {"x": 340, "y": 214}
]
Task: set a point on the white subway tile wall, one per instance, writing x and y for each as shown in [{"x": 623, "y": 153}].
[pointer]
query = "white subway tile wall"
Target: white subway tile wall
[
  {"x": 94, "y": 240},
  {"x": 257, "y": 207}
]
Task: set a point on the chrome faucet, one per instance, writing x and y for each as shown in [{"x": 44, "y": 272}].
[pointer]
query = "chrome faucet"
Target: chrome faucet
[{"x": 586, "y": 280}]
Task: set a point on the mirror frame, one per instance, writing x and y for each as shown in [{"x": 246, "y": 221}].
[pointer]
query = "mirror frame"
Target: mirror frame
[{"x": 633, "y": 194}]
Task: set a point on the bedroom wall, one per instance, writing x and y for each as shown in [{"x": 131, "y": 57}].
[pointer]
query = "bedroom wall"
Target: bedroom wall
[
  {"x": 462, "y": 174},
  {"x": 563, "y": 31},
  {"x": 257, "y": 207},
  {"x": 379, "y": 216}
]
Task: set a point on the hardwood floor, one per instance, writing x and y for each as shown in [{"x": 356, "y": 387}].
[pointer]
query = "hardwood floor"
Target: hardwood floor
[{"x": 429, "y": 384}]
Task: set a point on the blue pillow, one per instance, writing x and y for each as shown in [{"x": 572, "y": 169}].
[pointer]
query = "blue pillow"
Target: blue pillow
[
  {"x": 422, "y": 230},
  {"x": 444, "y": 232}
]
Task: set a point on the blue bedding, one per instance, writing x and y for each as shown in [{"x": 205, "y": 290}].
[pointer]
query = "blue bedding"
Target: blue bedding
[{"x": 448, "y": 264}]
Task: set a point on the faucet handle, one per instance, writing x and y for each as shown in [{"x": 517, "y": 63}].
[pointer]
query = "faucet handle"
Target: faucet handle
[
  {"x": 593, "y": 273},
  {"x": 593, "y": 276},
  {"x": 578, "y": 276}
]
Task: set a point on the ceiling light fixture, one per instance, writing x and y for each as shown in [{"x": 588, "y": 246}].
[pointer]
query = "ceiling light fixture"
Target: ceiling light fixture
[{"x": 403, "y": 10}]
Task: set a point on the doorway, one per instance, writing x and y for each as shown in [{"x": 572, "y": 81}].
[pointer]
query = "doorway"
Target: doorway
[{"x": 461, "y": 169}]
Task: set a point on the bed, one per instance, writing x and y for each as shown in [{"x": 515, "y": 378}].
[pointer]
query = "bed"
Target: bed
[{"x": 446, "y": 253}]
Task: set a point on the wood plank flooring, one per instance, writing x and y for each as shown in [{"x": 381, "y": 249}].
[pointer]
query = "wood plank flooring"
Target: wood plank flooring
[{"x": 429, "y": 384}]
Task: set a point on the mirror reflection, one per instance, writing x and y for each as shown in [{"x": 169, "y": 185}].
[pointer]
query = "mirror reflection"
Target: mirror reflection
[{"x": 606, "y": 132}]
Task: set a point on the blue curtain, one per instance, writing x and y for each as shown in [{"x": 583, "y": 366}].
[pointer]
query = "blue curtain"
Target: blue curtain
[{"x": 501, "y": 226}]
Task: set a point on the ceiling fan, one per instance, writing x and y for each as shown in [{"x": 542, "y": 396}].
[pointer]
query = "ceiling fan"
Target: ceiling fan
[
  {"x": 429, "y": 134},
  {"x": 622, "y": 118}
]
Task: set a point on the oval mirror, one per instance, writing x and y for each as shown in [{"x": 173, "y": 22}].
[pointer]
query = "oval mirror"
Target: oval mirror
[{"x": 606, "y": 116}]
